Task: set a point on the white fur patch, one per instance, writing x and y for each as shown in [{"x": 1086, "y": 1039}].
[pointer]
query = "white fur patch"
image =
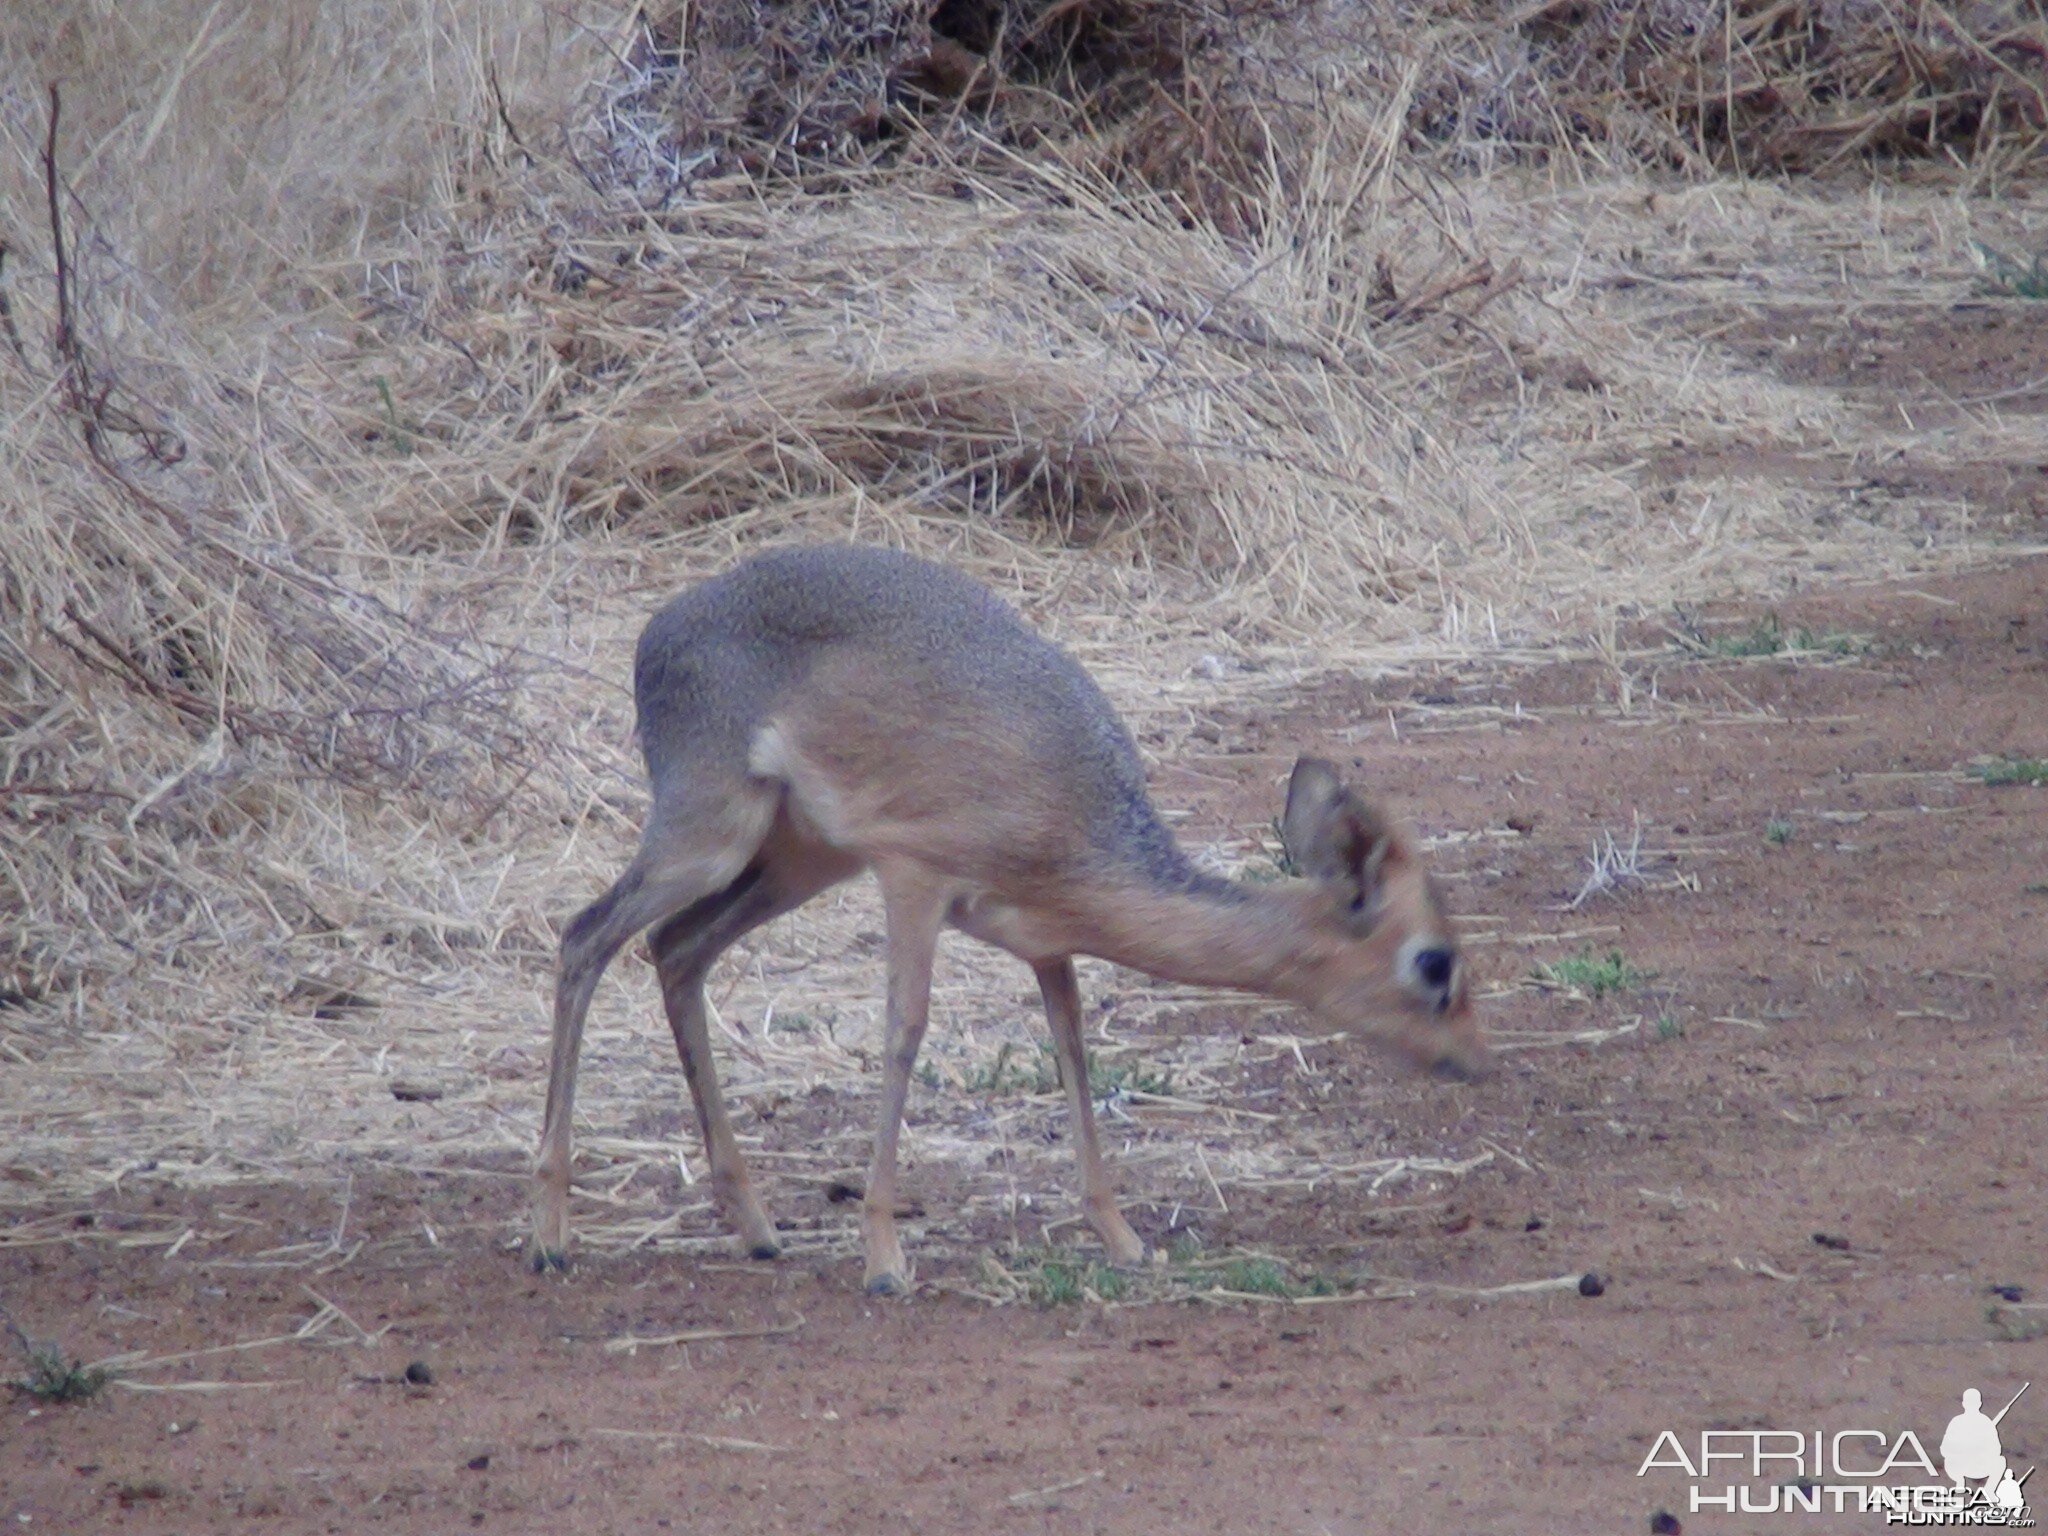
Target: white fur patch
[
  {"x": 813, "y": 797},
  {"x": 768, "y": 753}
]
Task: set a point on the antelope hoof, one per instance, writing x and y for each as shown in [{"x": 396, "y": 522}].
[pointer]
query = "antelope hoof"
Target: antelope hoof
[
  {"x": 545, "y": 1260},
  {"x": 762, "y": 1250},
  {"x": 1126, "y": 1249},
  {"x": 888, "y": 1283}
]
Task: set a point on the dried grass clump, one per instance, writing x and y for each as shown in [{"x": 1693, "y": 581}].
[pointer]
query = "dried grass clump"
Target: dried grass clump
[
  {"x": 800, "y": 87},
  {"x": 190, "y": 695},
  {"x": 204, "y": 673},
  {"x": 1759, "y": 85},
  {"x": 1025, "y": 442}
]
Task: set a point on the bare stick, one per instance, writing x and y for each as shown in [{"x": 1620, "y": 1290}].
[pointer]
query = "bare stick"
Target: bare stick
[
  {"x": 77, "y": 379},
  {"x": 667, "y": 1437},
  {"x": 1029, "y": 1494},
  {"x": 505, "y": 113},
  {"x": 90, "y": 401},
  {"x": 630, "y": 1343}
]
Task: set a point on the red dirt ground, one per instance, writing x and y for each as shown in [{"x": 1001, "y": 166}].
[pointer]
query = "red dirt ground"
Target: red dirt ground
[{"x": 1843, "y": 1039}]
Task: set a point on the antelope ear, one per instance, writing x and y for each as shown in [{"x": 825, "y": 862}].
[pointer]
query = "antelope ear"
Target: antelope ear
[{"x": 1333, "y": 836}]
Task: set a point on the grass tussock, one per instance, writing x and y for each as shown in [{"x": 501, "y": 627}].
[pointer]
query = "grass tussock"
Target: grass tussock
[
  {"x": 1593, "y": 975},
  {"x": 1012, "y": 1071},
  {"x": 2015, "y": 276},
  {"x": 2012, "y": 770},
  {"x": 1754, "y": 85},
  {"x": 1768, "y": 637},
  {"x": 50, "y": 1375},
  {"x": 53, "y": 1377}
]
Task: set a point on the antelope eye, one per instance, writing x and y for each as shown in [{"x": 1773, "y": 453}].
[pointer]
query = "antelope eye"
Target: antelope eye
[{"x": 1434, "y": 966}]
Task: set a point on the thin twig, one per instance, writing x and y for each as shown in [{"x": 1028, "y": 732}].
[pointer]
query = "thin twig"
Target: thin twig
[
  {"x": 673, "y": 1436},
  {"x": 505, "y": 113},
  {"x": 627, "y": 1344},
  {"x": 1028, "y": 1495},
  {"x": 77, "y": 376}
]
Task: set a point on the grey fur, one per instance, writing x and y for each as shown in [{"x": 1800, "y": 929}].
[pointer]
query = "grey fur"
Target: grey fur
[{"x": 718, "y": 661}]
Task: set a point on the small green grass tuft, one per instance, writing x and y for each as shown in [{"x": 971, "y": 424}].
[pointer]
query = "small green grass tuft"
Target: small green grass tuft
[
  {"x": 54, "y": 1378},
  {"x": 1764, "y": 638},
  {"x": 1595, "y": 976},
  {"x": 1008, "y": 1074},
  {"x": 2014, "y": 276},
  {"x": 1769, "y": 637},
  {"x": 2012, "y": 770},
  {"x": 1013, "y": 1071},
  {"x": 1256, "y": 1275},
  {"x": 1777, "y": 832},
  {"x": 1669, "y": 1028},
  {"x": 1057, "y": 1281},
  {"x": 1107, "y": 1283},
  {"x": 1107, "y": 1077}
]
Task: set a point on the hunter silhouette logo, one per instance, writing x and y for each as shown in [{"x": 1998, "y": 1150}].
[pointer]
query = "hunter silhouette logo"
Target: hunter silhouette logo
[
  {"x": 1971, "y": 1453},
  {"x": 1862, "y": 1471}
]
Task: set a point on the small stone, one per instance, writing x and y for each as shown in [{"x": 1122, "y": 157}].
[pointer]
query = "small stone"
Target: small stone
[
  {"x": 1591, "y": 1284},
  {"x": 419, "y": 1374}
]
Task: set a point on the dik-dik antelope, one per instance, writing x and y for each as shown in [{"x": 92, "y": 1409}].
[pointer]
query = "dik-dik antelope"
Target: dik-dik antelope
[{"x": 816, "y": 712}]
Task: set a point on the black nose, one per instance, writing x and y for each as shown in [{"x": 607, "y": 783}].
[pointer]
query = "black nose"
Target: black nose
[{"x": 1434, "y": 967}]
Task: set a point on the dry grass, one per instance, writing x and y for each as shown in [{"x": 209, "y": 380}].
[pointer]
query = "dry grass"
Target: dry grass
[
  {"x": 1753, "y": 85},
  {"x": 407, "y": 356}
]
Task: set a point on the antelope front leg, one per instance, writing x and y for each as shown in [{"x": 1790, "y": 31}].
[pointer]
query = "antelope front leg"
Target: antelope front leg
[
  {"x": 914, "y": 910},
  {"x": 1062, "y": 993}
]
